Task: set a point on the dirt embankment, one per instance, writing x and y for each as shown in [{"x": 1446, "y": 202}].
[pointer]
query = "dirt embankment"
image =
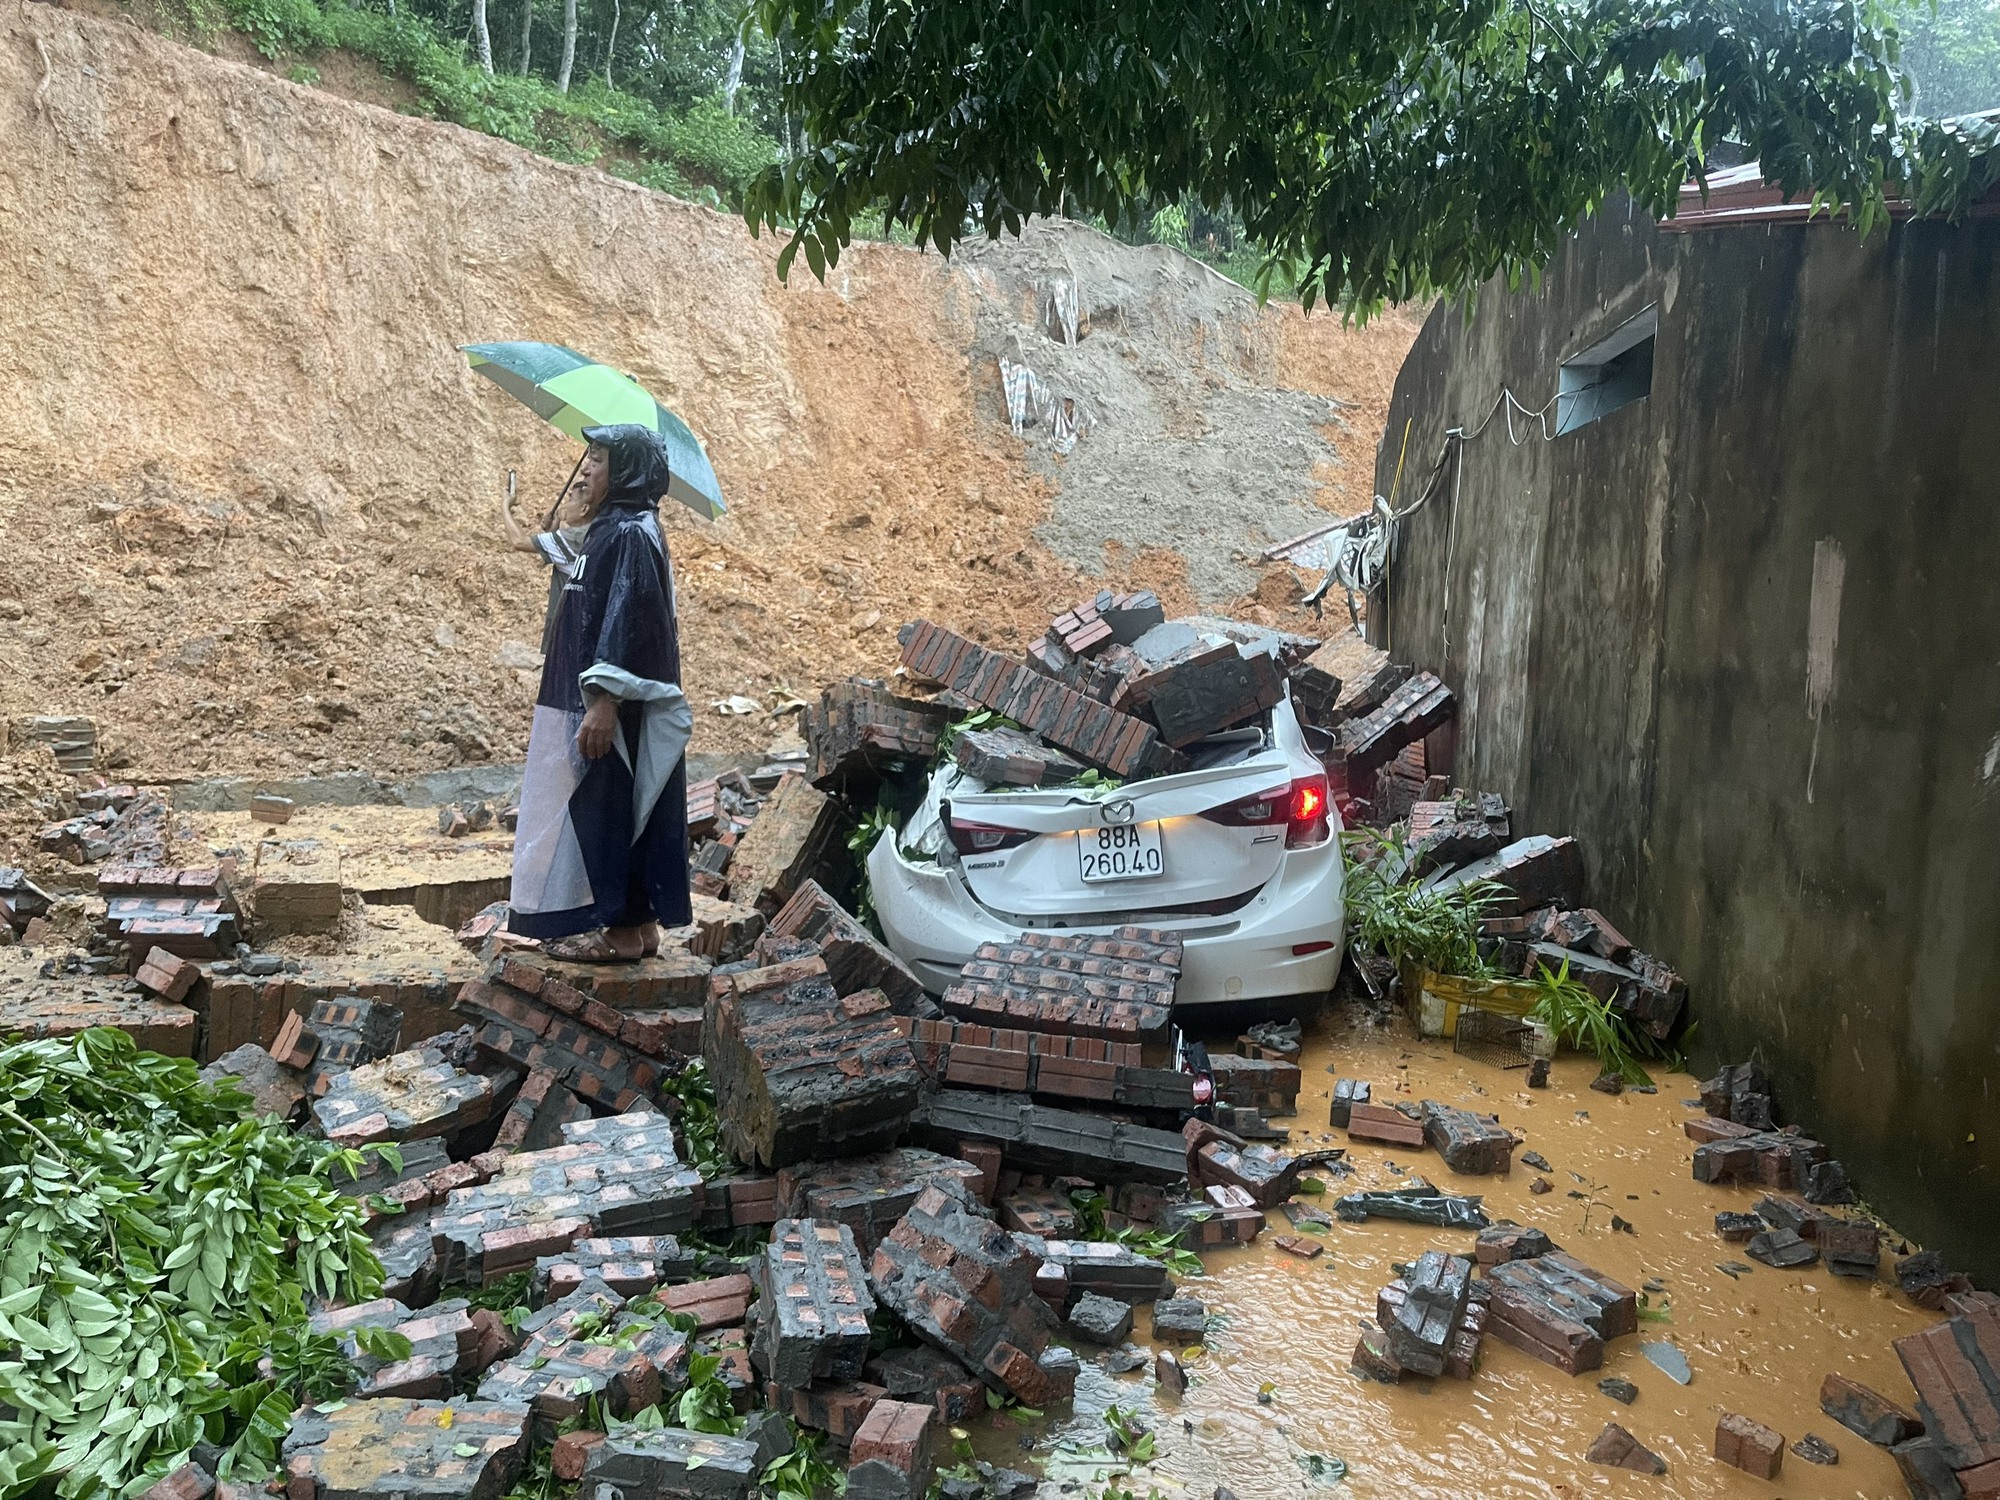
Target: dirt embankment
[{"x": 250, "y": 491}]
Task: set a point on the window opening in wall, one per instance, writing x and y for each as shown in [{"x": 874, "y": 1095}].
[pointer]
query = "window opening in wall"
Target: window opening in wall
[{"x": 1613, "y": 372}]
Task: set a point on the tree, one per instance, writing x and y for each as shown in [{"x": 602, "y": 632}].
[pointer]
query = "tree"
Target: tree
[
  {"x": 1952, "y": 50},
  {"x": 1386, "y": 151},
  {"x": 482, "y": 37},
  {"x": 569, "y": 45},
  {"x": 527, "y": 33}
]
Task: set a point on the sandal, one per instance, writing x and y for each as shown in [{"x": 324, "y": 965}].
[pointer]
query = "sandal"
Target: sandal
[{"x": 589, "y": 948}]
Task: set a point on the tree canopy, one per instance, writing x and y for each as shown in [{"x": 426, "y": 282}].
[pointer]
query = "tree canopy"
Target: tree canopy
[{"x": 1375, "y": 152}]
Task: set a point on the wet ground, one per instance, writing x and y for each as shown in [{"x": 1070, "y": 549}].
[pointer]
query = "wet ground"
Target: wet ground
[{"x": 1758, "y": 1343}]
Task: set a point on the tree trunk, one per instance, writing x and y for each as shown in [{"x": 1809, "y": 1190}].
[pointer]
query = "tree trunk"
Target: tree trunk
[
  {"x": 569, "y": 45},
  {"x": 527, "y": 33},
  {"x": 483, "y": 37},
  {"x": 610, "y": 45},
  {"x": 735, "y": 79}
]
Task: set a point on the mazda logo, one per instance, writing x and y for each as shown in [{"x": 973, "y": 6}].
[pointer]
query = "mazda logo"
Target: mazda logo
[{"x": 1120, "y": 811}]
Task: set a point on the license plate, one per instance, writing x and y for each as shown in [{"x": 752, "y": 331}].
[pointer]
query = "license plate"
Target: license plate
[{"x": 1128, "y": 853}]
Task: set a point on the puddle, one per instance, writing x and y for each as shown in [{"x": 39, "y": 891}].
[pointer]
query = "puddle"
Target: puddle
[{"x": 1758, "y": 1344}]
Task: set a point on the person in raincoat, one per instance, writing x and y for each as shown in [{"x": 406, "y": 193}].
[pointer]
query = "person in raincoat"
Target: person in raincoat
[{"x": 600, "y": 851}]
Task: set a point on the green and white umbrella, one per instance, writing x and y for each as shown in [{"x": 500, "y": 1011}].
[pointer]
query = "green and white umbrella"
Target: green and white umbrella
[{"x": 571, "y": 393}]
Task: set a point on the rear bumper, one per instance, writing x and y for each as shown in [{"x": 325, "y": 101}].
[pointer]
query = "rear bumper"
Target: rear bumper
[{"x": 933, "y": 924}]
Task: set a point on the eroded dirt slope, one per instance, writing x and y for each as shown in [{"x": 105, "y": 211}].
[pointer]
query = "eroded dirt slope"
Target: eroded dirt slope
[{"x": 249, "y": 489}]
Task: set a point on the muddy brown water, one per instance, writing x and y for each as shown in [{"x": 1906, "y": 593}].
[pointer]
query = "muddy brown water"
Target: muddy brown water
[{"x": 1758, "y": 1343}]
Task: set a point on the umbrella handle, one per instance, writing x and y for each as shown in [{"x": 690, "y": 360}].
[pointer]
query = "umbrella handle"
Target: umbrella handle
[{"x": 551, "y": 525}]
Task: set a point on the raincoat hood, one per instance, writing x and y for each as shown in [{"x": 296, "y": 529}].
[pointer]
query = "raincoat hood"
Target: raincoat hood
[{"x": 639, "y": 470}]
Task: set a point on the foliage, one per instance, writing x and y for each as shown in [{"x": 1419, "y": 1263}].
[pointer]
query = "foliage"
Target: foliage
[
  {"x": 155, "y": 1244},
  {"x": 1951, "y": 49},
  {"x": 1129, "y": 1434},
  {"x": 1386, "y": 909},
  {"x": 706, "y": 1406},
  {"x": 1587, "y": 1023},
  {"x": 1154, "y": 1244},
  {"x": 806, "y": 1472},
  {"x": 867, "y": 832},
  {"x": 697, "y": 1119},
  {"x": 1413, "y": 147}
]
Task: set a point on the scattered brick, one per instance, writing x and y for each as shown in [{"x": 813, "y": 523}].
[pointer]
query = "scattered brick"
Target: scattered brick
[
  {"x": 1749, "y": 1446},
  {"x": 838, "y": 1410},
  {"x": 272, "y": 1090},
  {"x": 571, "y": 1453},
  {"x": 1616, "y": 1448},
  {"x": 1383, "y": 1123},
  {"x": 1952, "y": 1365},
  {"x": 894, "y": 1454},
  {"x": 352, "y": 1030},
  {"x": 1535, "y": 871},
  {"x": 401, "y": 1098},
  {"x": 630, "y": 1266},
  {"x": 814, "y": 1303},
  {"x": 1262, "y": 1083},
  {"x": 966, "y": 1285},
  {"x": 672, "y": 1463},
  {"x": 867, "y": 1194},
  {"x": 923, "y": 1374},
  {"x": 541, "y": 1107},
  {"x": 1413, "y": 710},
  {"x": 1042, "y": 1212},
  {"x": 426, "y": 1450},
  {"x": 1852, "y": 1247},
  {"x": 266, "y": 807},
  {"x": 1558, "y": 1310},
  {"x": 1101, "y": 1267},
  {"x": 1118, "y": 988},
  {"x": 1118, "y": 742},
  {"x": 854, "y": 960},
  {"x": 1007, "y": 757},
  {"x": 859, "y": 729},
  {"x": 715, "y": 1303},
  {"x": 1866, "y": 1413},
  {"x": 1038, "y": 1137},
  {"x": 1205, "y": 689},
  {"x": 1772, "y": 1159},
  {"x": 796, "y": 1076},
  {"x": 1099, "y": 1320},
  {"x": 560, "y": 1367},
  {"x": 1782, "y": 1248},
  {"x": 168, "y": 976},
  {"x": 1927, "y": 1280},
  {"x": 779, "y": 852},
  {"x": 1505, "y": 1242},
  {"x": 1204, "y": 1226},
  {"x": 1456, "y": 831},
  {"x": 613, "y": 1177},
  {"x": 1347, "y": 1093},
  {"x": 1471, "y": 1144}
]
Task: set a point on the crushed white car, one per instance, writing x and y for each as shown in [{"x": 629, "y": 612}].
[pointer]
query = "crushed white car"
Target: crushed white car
[{"x": 1239, "y": 855}]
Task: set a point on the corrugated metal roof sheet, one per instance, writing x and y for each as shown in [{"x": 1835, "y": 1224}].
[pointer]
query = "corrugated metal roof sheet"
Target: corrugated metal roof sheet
[{"x": 1740, "y": 195}]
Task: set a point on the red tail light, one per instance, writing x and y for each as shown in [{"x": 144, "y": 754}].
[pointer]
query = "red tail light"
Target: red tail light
[
  {"x": 1300, "y": 806},
  {"x": 984, "y": 838},
  {"x": 1254, "y": 812},
  {"x": 1306, "y": 816}
]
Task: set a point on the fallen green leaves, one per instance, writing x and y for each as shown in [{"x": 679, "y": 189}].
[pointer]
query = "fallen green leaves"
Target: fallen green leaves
[{"x": 155, "y": 1247}]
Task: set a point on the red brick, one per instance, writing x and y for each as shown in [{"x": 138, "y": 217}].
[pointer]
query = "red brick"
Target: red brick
[
  {"x": 572, "y": 1452},
  {"x": 1749, "y": 1446},
  {"x": 902, "y": 1435}
]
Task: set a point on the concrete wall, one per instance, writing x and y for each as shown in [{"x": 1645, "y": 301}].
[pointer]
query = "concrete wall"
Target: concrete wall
[{"x": 1629, "y": 614}]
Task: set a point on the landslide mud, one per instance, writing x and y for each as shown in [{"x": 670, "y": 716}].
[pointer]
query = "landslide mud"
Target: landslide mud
[
  {"x": 257, "y": 489},
  {"x": 1758, "y": 1344}
]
